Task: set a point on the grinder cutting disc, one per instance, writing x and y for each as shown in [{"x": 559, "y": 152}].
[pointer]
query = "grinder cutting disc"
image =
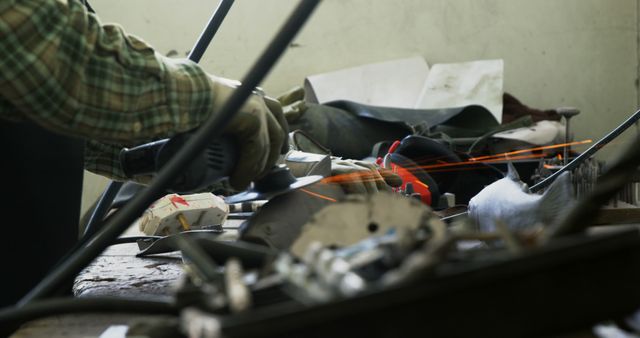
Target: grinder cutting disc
[
  {"x": 360, "y": 216},
  {"x": 277, "y": 182}
]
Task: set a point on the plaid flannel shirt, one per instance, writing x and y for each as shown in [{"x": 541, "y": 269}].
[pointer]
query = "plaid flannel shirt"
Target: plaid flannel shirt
[{"x": 64, "y": 70}]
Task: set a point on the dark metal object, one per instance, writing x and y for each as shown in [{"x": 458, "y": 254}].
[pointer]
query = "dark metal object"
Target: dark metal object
[
  {"x": 279, "y": 181},
  {"x": 280, "y": 221},
  {"x": 102, "y": 208},
  {"x": 567, "y": 113},
  {"x": 214, "y": 163},
  {"x": 251, "y": 255},
  {"x": 204, "y": 266},
  {"x": 563, "y": 286},
  {"x": 210, "y": 31},
  {"x": 121, "y": 220},
  {"x": 88, "y": 6}
]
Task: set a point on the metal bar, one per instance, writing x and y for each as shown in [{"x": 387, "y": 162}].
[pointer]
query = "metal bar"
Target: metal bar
[
  {"x": 210, "y": 30},
  {"x": 102, "y": 207},
  {"x": 204, "y": 266},
  {"x": 125, "y": 216}
]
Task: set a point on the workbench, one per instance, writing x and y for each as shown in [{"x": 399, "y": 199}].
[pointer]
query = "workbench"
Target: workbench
[{"x": 117, "y": 273}]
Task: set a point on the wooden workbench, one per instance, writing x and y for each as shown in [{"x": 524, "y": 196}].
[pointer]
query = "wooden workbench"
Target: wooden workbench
[{"x": 116, "y": 273}]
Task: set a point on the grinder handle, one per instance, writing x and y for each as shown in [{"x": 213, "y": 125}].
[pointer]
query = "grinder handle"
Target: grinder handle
[{"x": 215, "y": 163}]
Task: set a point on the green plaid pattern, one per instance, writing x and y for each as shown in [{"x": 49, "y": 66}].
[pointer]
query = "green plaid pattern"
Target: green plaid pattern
[{"x": 64, "y": 70}]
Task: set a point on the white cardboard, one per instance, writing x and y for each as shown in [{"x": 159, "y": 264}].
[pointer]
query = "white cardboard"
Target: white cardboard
[
  {"x": 396, "y": 83},
  {"x": 462, "y": 84}
]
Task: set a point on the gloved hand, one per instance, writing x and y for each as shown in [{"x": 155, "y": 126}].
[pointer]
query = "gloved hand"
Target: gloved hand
[
  {"x": 293, "y": 104},
  {"x": 361, "y": 177},
  {"x": 259, "y": 129}
]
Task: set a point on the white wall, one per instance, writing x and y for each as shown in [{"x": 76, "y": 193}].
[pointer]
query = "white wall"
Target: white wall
[{"x": 582, "y": 53}]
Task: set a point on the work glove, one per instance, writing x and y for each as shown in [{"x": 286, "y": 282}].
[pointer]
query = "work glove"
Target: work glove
[
  {"x": 259, "y": 129},
  {"x": 361, "y": 177},
  {"x": 293, "y": 105}
]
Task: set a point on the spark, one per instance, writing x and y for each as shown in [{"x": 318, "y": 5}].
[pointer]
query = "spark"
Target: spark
[
  {"x": 365, "y": 176},
  {"x": 315, "y": 194},
  {"x": 430, "y": 167},
  {"x": 522, "y": 151},
  {"x": 358, "y": 176}
]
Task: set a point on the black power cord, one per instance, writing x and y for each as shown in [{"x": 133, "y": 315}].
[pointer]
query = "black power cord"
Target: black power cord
[{"x": 125, "y": 216}]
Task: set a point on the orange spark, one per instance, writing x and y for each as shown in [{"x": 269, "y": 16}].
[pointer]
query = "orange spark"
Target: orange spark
[
  {"x": 315, "y": 194},
  {"x": 507, "y": 154},
  {"x": 441, "y": 166},
  {"x": 456, "y": 164},
  {"x": 359, "y": 176}
]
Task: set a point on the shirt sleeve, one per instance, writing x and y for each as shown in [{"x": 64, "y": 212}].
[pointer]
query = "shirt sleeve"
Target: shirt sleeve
[{"x": 61, "y": 68}]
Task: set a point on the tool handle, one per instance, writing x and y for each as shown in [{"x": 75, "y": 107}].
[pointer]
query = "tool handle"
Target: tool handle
[{"x": 215, "y": 163}]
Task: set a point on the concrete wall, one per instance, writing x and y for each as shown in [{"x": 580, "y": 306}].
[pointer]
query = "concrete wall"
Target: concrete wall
[{"x": 582, "y": 53}]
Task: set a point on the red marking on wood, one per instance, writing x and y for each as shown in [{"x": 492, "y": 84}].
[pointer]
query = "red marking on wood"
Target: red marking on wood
[{"x": 175, "y": 199}]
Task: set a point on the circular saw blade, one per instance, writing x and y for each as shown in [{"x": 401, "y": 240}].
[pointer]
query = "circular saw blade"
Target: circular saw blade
[{"x": 361, "y": 216}]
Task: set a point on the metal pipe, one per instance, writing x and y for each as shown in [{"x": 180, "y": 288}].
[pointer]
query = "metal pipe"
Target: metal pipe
[
  {"x": 102, "y": 208},
  {"x": 210, "y": 30}
]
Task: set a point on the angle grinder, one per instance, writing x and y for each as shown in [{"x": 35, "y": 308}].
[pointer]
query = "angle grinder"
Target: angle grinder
[{"x": 212, "y": 165}]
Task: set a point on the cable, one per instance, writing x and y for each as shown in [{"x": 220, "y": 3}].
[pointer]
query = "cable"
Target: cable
[
  {"x": 125, "y": 216},
  {"x": 13, "y": 317}
]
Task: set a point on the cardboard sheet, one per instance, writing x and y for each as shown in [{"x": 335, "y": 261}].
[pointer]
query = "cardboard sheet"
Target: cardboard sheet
[
  {"x": 463, "y": 84},
  {"x": 409, "y": 83},
  {"x": 396, "y": 83}
]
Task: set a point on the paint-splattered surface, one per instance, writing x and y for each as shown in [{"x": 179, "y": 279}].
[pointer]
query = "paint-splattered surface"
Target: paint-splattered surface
[{"x": 116, "y": 273}]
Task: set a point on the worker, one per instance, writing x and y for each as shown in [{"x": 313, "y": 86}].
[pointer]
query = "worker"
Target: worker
[
  {"x": 68, "y": 80},
  {"x": 64, "y": 71}
]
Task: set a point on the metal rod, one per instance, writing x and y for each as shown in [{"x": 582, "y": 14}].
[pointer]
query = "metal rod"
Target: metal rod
[
  {"x": 454, "y": 216},
  {"x": 102, "y": 208},
  {"x": 565, "y": 158},
  {"x": 589, "y": 152},
  {"x": 210, "y": 30},
  {"x": 125, "y": 216},
  {"x": 204, "y": 266}
]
